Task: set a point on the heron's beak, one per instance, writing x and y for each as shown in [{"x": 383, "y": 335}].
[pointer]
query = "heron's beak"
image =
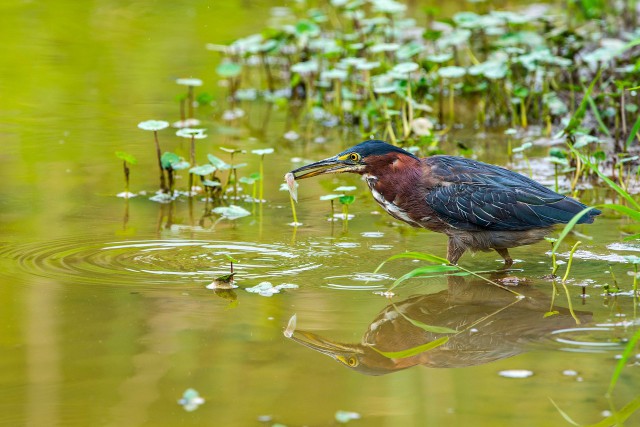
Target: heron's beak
[
  {"x": 330, "y": 165},
  {"x": 315, "y": 342}
]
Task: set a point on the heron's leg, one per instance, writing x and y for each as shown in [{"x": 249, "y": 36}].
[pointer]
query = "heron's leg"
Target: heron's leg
[
  {"x": 454, "y": 252},
  {"x": 504, "y": 253}
]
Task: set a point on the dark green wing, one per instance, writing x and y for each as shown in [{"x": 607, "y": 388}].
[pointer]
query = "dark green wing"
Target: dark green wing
[{"x": 474, "y": 195}]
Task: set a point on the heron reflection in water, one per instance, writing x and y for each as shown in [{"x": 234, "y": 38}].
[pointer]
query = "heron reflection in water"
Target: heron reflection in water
[{"x": 491, "y": 326}]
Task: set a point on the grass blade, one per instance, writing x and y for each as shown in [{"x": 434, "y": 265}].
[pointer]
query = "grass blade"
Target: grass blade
[
  {"x": 414, "y": 350},
  {"x": 567, "y": 228},
  {"x": 620, "y": 416},
  {"x": 631, "y": 345},
  {"x": 424, "y": 326},
  {"x": 576, "y": 119},
  {"x": 596, "y": 114},
  {"x": 414, "y": 255},
  {"x": 564, "y": 414},
  {"x": 422, "y": 271},
  {"x": 606, "y": 179},
  {"x": 634, "y": 131}
]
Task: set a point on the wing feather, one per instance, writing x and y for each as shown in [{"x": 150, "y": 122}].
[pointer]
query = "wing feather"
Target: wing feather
[{"x": 474, "y": 195}]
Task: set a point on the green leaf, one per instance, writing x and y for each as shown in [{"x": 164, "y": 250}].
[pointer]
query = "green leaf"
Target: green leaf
[
  {"x": 168, "y": 159},
  {"x": 567, "y": 228},
  {"x": 413, "y": 351},
  {"x": 218, "y": 163},
  {"x": 576, "y": 119},
  {"x": 564, "y": 415},
  {"x": 428, "y": 328},
  {"x": 596, "y": 114},
  {"x": 609, "y": 182},
  {"x": 423, "y": 271},
  {"x": 347, "y": 200},
  {"x": 229, "y": 69},
  {"x": 126, "y": 157},
  {"x": 331, "y": 196},
  {"x": 622, "y": 362},
  {"x": 203, "y": 170},
  {"x": 414, "y": 255},
  {"x": 634, "y": 132}
]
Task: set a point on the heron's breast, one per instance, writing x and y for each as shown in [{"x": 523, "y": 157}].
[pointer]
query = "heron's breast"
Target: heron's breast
[{"x": 392, "y": 207}]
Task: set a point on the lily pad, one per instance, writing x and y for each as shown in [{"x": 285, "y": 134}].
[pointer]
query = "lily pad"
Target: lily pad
[
  {"x": 191, "y": 133},
  {"x": 218, "y": 163},
  {"x": 406, "y": 67},
  {"x": 451, "y": 72},
  {"x": 153, "y": 125},
  {"x": 190, "y": 400},
  {"x": 331, "y": 196},
  {"x": 263, "y": 151},
  {"x": 189, "y": 82},
  {"x": 203, "y": 170},
  {"x": 229, "y": 69},
  {"x": 231, "y": 212}
]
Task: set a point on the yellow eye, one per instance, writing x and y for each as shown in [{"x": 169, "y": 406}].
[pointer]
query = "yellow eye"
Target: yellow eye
[
  {"x": 354, "y": 157},
  {"x": 352, "y": 361}
]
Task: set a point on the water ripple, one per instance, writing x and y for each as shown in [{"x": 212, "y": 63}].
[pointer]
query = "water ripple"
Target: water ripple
[
  {"x": 588, "y": 340},
  {"x": 158, "y": 262}
]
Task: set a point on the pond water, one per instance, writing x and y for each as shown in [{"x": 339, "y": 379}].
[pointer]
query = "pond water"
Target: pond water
[{"x": 106, "y": 318}]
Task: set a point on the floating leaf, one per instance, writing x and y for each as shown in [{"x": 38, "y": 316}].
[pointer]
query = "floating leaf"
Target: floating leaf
[
  {"x": 331, "y": 196},
  {"x": 189, "y": 82},
  {"x": 334, "y": 74},
  {"x": 126, "y": 157},
  {"x": 223, "y": 282},
  {"x": 405, "y": 68},
  {"x": 191, "y": 133},
  {"x": 229, "y": 69},
  {"x": 246, "y": 180},
  {"x": 218, "y": 163},
  {"x": 346, "y": 200},
  {"x": 263, "y": 151},
  {"x": 231, "y": 212},
  {"x": 168, "y": 159},
  {"x": 202, "y": 170},
  {"x": 409, "y": 50},
  {"x": 451, "y": 72},
  {"x": 305, "y": 68},
  {"x": 345, "y": 188},
  {"x": 344, "y": 417},
  {"x": 209, "y": 183},
  {"x": 190, "y": 400},
  {"x": 153, "y": 125}
]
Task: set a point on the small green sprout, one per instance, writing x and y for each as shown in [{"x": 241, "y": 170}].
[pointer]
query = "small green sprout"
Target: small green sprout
[
  {"x": 154, "y": 126},
  {"x": 127, "y": 159}
]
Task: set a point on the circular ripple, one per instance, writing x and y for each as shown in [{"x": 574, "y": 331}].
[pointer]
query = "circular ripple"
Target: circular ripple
[
  {"x": 587, "y": 340},
  {"x": 153, "y": 261}
]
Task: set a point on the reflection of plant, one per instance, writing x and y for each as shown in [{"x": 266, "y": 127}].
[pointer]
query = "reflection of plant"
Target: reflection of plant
[
  {"x": 262, "y": 153},
  {"x": 127, "y": 159},
  {"x": 155, "y": 126}
]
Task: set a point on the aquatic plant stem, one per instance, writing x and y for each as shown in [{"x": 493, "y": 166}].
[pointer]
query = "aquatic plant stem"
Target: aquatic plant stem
[
  {"x": 193, "y": 162},
  {"x": 163, "y": 185},
  {"x": 293, "y": 211},
  {"x": 126, "y": 177},
  {"x": 451, "y": 104},
  {"x": 261, "y": 179},
  {"x": 564, "y": 284},
  {"x": 190, "y": 99}
]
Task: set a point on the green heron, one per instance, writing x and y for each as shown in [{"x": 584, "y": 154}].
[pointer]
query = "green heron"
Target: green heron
[
  {"x": 490, "y": 326},
  {"x": 477, "y": 205}
]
